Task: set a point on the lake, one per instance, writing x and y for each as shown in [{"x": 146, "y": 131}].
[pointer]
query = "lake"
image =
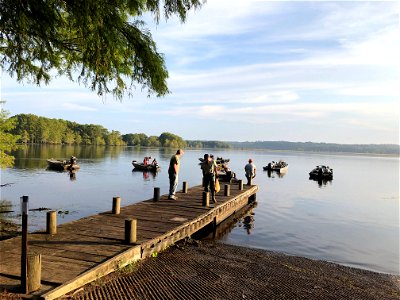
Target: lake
[{"x": 352, "y": 220}]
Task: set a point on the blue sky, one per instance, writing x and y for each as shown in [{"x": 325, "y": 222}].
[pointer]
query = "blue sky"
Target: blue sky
[{"x": 254, "y": 70}]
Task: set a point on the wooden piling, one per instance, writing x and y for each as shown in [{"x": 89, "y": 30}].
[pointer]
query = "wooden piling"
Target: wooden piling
[
  {"x": 34, "y": 272},
  {"x": 51, "y": 222},
  {"x": 116, "y": 205},
  {"x": 156, "y": 196},
  {"x": 185, "y": 187},
  {"x": 240, "y": 184},
  {"x": 24, "y": 243},
  {"x": 206, "y": 199},
  {"x": 227, "y": 190},
  {"x": 130, "y": 231}
]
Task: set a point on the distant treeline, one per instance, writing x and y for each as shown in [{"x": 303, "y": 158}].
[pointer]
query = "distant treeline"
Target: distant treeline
[
  {"x": 40, "y": 130},
  {"x": 319, "y": 147}
]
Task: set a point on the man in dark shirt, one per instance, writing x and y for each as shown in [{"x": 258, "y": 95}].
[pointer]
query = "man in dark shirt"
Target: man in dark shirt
[
  {"x": 173, "y": 172},
  {"x": 209, "y": 168}
]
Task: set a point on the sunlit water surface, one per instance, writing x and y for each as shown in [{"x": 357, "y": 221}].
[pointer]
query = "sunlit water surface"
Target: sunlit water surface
[{"x": 352, "y": 220}]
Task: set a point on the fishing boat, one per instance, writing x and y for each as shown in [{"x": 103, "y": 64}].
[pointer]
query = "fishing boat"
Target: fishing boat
[
  {"x": 63, "y": 165},
  {"x": 226, "y": 175},
  {"x": 148, "y": 167},
  {"x": 280, "y": 166},
  {"x": 321, "y": 172},
  {"x": 218, "y": 161}
]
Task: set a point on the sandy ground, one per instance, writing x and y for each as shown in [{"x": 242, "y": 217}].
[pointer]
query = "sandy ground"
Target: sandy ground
[{"x": 211, "y": 270}]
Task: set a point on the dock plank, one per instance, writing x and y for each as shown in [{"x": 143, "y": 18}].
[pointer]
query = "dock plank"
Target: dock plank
[{"x": 86, "y": 249}]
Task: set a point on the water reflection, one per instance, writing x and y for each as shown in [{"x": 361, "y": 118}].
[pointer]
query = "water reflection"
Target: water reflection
[
  {"x": 242, "y": 218},
  {"x": 272, "y": 174},
  {"x": 322, "y": 181},
  {"x": 35, "y": 156},
  {"x": 8, "y": 227},
  {"x": 72, "y": 175},
  {"x": 248, "y": 222},
  {"x": 147, "y": 175}
]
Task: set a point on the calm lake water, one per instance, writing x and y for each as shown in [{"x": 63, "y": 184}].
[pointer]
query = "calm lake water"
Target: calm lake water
[{"x": 352, "y": 220}]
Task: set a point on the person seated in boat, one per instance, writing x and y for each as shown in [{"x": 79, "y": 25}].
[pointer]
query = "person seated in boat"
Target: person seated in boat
[
  {"x": 145, "y": 161},
  {"x": 72, "y": 160},
  {"x": 154, "y": 162}
]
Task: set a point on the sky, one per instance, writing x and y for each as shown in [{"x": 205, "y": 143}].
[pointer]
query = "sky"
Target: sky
[{"x": 247, "y": 70}]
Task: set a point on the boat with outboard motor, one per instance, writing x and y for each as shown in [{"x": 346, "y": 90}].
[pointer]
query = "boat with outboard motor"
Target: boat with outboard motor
[
  {"x": 280, "y": 166},
  {"x": 321, "y": 172},
  {"x": 62, "y": 165}
]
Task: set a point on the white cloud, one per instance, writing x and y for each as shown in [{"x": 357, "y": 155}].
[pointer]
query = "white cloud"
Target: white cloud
[{"x": 260, "y": 62}]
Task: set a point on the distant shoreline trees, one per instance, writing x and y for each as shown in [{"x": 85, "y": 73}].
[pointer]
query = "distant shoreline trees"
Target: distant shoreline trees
[{"x": 40, "y": 130}]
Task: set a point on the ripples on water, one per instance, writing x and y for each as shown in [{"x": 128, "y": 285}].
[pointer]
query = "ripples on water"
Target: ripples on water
[{"x": 352, "y": 220}]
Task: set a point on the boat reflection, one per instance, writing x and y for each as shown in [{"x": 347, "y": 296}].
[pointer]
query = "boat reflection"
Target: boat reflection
[
  {"x": 279, "y": 174},
  {"x": 321, "y": 181},
  {"x": 147, "y": 175},
  {"x": 72, "y": 175}
]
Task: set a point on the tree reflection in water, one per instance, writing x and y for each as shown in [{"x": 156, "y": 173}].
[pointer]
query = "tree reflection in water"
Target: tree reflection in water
[{"x": 8, "y": 226}]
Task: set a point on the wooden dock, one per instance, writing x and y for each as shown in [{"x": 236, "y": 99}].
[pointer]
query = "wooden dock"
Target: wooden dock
[{"x": 87, "y": 249}]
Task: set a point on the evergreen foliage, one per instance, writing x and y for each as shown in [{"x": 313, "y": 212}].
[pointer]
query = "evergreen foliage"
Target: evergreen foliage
[{"x": 100, "y": 43}]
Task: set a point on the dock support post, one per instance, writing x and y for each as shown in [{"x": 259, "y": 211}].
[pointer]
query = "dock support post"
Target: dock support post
[
  {"x": 24, "y": 243},
  {"x": 252, "y": 198},
  {"x": 206, "y": 199},
  {"x": 34, "y": 272},
  {"x": 130, "y": 231},
  {"x": 51, "y": 222},
  {"x": 227, "y": 190},
  {"x": 156, "y": 196},
  {"x": 185, "y": 187},
  {"x": 116, "y": 206},
  {"x": 240, "y": 184}
]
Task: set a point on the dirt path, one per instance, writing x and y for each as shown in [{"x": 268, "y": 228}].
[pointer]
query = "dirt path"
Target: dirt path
[{"x": 210, "y": 270}]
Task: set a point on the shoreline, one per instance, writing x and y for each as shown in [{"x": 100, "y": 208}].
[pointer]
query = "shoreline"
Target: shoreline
[{"x": 212, "y": 270}]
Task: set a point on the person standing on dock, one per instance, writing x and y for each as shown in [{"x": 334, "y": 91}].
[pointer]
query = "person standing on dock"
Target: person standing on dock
[
  {"x": 209, "y": 168},
  {"x": 250, "y": 170},
  {"x": 173, "y": 172}
]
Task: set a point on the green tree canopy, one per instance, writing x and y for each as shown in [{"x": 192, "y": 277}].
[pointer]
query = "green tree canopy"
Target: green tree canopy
[
  {"x": 7, "y": 140},
  {"x": 171, "y": 140},
  {"x": 101, "y": 43}
]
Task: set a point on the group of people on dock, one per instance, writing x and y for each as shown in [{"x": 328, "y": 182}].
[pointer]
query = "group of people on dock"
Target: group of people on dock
[{"x": 209, "y": 169}]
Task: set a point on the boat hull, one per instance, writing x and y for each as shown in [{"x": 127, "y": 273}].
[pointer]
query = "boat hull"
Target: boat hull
[
  {"x": 321, "y": 172},
  {"x": 141, "y": 167},
  {"x": 277, "y": 167},
  {"x": 60, "y": 165}
]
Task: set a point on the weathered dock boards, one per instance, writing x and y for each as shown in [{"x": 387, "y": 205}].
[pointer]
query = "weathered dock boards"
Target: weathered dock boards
[{"x": 86, "y": 249}]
